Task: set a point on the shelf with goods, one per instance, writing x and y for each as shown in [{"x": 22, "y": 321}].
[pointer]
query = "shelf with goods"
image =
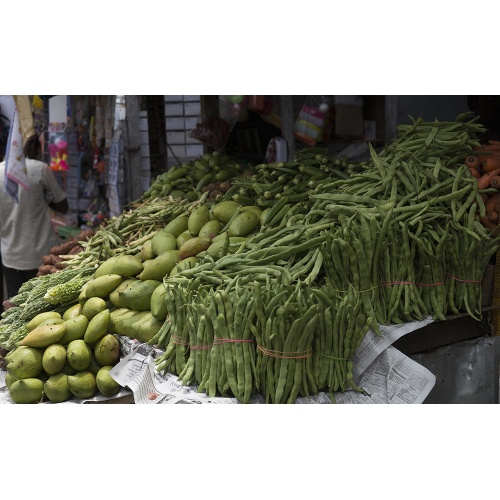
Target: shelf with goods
[
  {"x": 246, "y": 125},
  {"x": 306, "y": 256}
]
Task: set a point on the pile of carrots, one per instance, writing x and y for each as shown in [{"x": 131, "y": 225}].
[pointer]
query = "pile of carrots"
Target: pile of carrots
[{"x": 484, "y": 165}]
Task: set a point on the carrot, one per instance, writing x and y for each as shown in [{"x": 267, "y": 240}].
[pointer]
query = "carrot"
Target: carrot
[
  {"x": 484, "y": 181},
  {"x": 485, "y": 221},
  {"x": 474, "y": 172},
  {"x": 472, "y": 161},
  {"x": 492, "y": 216},
  {"x": 491, "y": 204},
  {"x": 487, "y": 147},
  {"x": 495, "y": 182},
  {"x": 491, "y": 163},
  {"x": 485, "y": 196}
]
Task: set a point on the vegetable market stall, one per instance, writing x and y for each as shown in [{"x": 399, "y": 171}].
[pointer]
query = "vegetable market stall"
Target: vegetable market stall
[{"x": 269, "y": 289}]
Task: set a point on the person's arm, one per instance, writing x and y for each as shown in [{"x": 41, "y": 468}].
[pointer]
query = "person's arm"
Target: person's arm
[
  {"x": 61, "y": 206},
  {"x": 55, "y": 196}
]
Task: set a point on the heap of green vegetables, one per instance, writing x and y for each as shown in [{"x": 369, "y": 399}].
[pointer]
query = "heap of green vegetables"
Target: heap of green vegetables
[{"x": 342, "y": 248}]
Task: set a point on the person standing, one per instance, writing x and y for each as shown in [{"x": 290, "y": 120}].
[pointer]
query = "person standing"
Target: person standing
[{"x": 26, "y": 232}]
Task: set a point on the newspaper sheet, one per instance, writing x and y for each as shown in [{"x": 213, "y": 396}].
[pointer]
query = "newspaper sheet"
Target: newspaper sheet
[
  {"x": 386, "y": 375},
  {"x": 372, "y": 345}
]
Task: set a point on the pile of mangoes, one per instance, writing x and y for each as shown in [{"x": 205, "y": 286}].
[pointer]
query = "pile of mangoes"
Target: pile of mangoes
[{"x": 64, "y": 356}]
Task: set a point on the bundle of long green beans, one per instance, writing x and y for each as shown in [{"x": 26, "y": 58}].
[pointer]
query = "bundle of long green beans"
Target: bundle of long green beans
[{"x": 397, "y": 241}]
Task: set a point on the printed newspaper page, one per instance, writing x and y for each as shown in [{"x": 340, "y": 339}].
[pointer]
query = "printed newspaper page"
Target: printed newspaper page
[
  {"x": 388, "y": 377},
  {"x": 372, "y": 345}
]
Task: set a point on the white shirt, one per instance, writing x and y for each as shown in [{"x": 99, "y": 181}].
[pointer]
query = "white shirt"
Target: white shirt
[{"x": 26, "y": 232}]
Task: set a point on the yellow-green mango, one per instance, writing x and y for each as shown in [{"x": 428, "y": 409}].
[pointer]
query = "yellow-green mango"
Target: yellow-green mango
[
  {"x": 117, "y": 314},
  {"x": 158, "y": 303},
  {"x": 9, "y": 380},
  {"x": 107, "y": 350},
  {"x": 102, "y": 286},
  {"x": 39, "y": 318},
  {"x": 243, "y": 224},
  {"x": 146, "y": 328},
  {"x": 224, "y": 210},
  {"x": 12, "y": 354},
  {"x": 197, "y": 219},
  {"x": 177, "y": 225},
  {"x": 43, "y": 336},
  {"x": 75, "y": 329},
  {"x": 194, "y": 246},
  {"x": 94, "y": 366},
  {"x": 97, "y": 327},
  {"x": 163, "y": 241},
  {"x": 82, "y": 384},
  {"x": 27, "y": 363},
  {"x": 114, "y": 296},
  {"x": 183, "y": 237},
  {"x": 54, "y": 358},
  {"x": 252, "y": 208},
  {"x": 56, "y": 388},
  {"x": 26, "y": 391},
  {"x": 72, "y": 312},
  {"x": 125, "y": 265},
  {"x": 128, "y": 265},
  {"x": 106, "y": 267},
  {"x": 138, "y": 295},
  {"x": 82, "y": 298},
  {"x": 211, "y": 229},
  {"x": 52, "y": 321},
  {"x": 147, "y": 251},
  {"x": 78, "y": 354},
  {"x": 106, "y": 384},
  {"x": 123, "y": 324},
  {"x": 159, "y": 267},
  {"x": 93, "y": 306},
  {"x": 67, "y": 368},
  {"x": 221, "y": 236}
]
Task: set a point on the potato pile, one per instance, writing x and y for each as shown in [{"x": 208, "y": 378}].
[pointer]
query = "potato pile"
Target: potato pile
[{"x": 58, "y": 254}]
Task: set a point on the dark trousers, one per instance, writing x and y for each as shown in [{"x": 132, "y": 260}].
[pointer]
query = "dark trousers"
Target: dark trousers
[{"x": 14, "y": 278}]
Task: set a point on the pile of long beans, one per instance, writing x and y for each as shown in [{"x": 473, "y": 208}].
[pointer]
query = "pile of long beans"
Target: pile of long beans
[{"x": 399, "y": 240}]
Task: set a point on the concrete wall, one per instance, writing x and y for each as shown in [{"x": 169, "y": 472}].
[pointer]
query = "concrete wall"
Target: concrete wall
[{"x": 430, "y": 107}]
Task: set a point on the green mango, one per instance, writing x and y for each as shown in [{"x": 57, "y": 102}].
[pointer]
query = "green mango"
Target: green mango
[
  {"x": 177, "y": 225},
  {"x": 138, "y": 295},
  {"x": 224, "y": 210},
  {"x": 197, "y": 219},
  {"x": 147, "y": 251},
  {"x": 115, "y": 295},
  {"x": 158, "y": 303},
  {"x": 243, "y": 224},
  {"x": 163, "y": 241},
  {"x": 159, "y": 267},
  {"x": 194, "y": 246},
  {"x": 26, "y": 391}
]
